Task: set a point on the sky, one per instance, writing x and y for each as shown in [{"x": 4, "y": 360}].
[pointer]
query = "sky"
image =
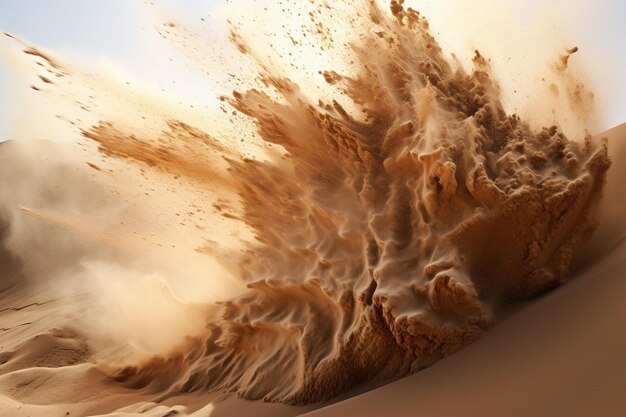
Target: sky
[
  {"x": 111, "y": 33},
  {"x": 114, "y": 32}
]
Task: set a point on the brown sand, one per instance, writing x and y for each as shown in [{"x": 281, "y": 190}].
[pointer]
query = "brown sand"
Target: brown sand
[
  {"x": 385, "y": 244},
  {"x": 386, "y": 229},
  {"x": 564, "y": 355}
]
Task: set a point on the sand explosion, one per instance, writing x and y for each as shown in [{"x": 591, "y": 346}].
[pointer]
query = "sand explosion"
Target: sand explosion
[{"x": 387, "y": 234}]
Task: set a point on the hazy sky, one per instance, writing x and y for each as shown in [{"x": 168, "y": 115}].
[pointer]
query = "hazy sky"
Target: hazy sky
[
  {"x": 110, "y": 32},
  {"x": 113, "y": 31}
]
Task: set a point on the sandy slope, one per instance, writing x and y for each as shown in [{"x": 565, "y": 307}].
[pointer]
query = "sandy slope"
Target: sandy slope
[{"x": 563, "y": 355}]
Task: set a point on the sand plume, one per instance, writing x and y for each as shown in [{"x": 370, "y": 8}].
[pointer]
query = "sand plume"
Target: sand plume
[
  {"x": 389, "y": 224},
  {"x": 387, "y": 235}
]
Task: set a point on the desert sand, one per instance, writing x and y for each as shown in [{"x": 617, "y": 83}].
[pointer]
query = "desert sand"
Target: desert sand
[{"x": 390, "y": 240}]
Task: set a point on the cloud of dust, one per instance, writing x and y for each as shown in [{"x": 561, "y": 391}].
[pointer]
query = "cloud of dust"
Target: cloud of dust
[
  {"x": 63, "y": 232},
  {"x": 363, "y": 205},
  {"x": 101, "y": 234}
]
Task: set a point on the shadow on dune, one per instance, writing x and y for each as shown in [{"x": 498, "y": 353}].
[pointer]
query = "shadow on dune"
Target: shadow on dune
[{"x": 9, "y": 264}]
